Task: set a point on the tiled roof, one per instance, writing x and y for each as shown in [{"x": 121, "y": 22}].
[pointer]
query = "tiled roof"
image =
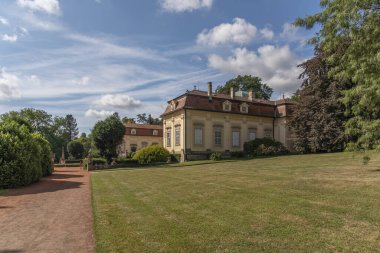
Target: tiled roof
[
  {"x": 198, "y": 100},
  {"x": 143, "y": 126}
]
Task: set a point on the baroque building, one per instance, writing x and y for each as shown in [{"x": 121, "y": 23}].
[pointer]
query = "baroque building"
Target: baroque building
[
  {"x": 138, "y": 136},
  {"x": 197, "y": 123}
]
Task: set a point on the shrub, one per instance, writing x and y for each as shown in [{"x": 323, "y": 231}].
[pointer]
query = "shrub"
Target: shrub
[
  {"x": 20, "y": 161},
  {"x": 264, "y": 146},
  {"x": 216, "y": 156},
  {"x": 175, "y": 158},
  {"x": 126, "y": 161},
  {"x": 75, "y": 149},
  {"x": 99, "y": 161},
  {"x": 46, "y": 155},
  {"x": 152, "y": 154},
  {"x": 70, "y": 161}
]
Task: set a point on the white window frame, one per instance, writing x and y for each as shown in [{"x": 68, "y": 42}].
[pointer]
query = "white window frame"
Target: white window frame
[
  {"x": 155, "y": 132},
  {"x": 168, "y": 137},
  {"x": 242, "y": 107},
  {"x": 198, "y": 135},
  {"x": 133, "y": 131},
  {"x": 177, "y": 135},
  {"x": 252, "y": 132},
  {"x": 218, "y": 139},
  {"x": 235, "y": 137}
]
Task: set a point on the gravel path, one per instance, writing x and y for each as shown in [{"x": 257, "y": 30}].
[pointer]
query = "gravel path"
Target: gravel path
[{"x": 53, "y": 215}]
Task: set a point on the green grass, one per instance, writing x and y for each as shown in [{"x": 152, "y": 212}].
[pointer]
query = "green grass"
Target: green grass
[{"x": 309, "y": 203}]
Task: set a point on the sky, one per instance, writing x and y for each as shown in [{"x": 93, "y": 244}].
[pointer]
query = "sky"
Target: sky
[{"x": 91, "y": 58}]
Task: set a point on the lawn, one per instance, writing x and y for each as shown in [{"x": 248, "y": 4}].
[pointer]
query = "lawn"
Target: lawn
[{"x": 309, "y": 203}]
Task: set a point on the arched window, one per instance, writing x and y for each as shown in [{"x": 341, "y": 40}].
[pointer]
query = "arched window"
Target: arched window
[
  {"x": 227, "y": 106},
  {"x": 244, "y": 108}
]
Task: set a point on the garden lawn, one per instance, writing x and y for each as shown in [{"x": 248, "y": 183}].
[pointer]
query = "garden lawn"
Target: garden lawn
[{"x": 308, "y": 203}]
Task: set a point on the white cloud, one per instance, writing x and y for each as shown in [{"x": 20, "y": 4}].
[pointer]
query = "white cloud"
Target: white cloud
[
  {"x": 48, "y": 6},
  {"x": 8, "y": 85},
  {"x": 4, "y": 21},
  {"x": 289, "y": 30},
  {"x": 276, "y": 65},
  {"x": 185, "y": 5},
  {"x": 91, "y": 113},
  {"x": 239, "y": 32},
  {"x": 267, "y": 33},
  {"x": 9, "y": 38},
  {"x": 121, "y": 101},
  {"x": 33, "y": 80}
]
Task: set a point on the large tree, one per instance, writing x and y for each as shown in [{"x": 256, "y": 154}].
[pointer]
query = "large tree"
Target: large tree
[
  {"x": 318, "y": 117},
  {"x": 107, "y": 135},
  {"x": 148, "y": 119},
  {"x": 247, "y": 83},
  {"x": 71, "y": 126},
  {"x": 356, "y": 25}
]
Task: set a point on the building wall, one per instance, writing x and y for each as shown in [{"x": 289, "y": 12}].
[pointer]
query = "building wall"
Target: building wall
[
  {"x": 125, "y": 146},
  {"x": 208, "y": 121}
]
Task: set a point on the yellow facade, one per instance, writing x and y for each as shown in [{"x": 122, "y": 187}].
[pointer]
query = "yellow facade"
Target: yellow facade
[
  {"x": 130, "y": 141},
  {"x": 232, "y": 130}
]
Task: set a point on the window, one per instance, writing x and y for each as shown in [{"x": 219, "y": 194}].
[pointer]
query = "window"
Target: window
[
  {"x": 198, "y": 136},
  {"x": 168, "y": 137},
  {"x": 227, "y": 106},
  {"x": 155, "y": 132},
  {"x": 268, "y": 133},
  {"x": 236, "y": 138},
  {"x": 251, "y": 134},
  {"x": 177, "y": 135},
  {"x": 244, "y": 108},
  {"x": 133, "y": 147},
  {"x": 133, "y": 131},
  {"x": 218, "y": 136},
  {"x": 144, "y": 144}
]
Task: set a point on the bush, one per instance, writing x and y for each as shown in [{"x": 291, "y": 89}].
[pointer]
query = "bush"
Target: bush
[
  {"x": 75, "y": 149},
  {"x": 175, "y": 158},
  {"x": 126, "y": 161},
  {"x": 152, "y": 154},
  {"x": 70, "y": 161},
  {"x": 20, "y": 161},
  {"x": 216, "y": 156},
  {"x": 99, "y": 161},
  {"x": 46, "y": 155},
  {"x": 264, "y": 146}
]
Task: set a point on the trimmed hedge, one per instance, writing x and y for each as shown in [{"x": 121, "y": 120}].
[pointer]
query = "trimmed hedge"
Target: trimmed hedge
[
  {"x": 152, "y": 154},
  {"x": 264, "y": 146},
  {"x": 46, "y": 153},
  {"x": 22, "y": 155}
]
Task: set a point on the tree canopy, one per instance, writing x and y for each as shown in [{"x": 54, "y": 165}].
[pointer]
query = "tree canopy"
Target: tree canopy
[
  {"x": 247, "y": 83},
  {"x": 107, "y": 135},
  {"x": 355, "y": 25}
]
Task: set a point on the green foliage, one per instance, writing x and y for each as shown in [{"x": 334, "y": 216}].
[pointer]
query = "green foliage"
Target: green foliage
[
  {"x": 71, "y": 126},
  {"x": 148, "y": 119},
  {"x": 237, "y": 154},
  {"x": 318, "y": 118},
  {"x": 107, "y": 135},
  {"x": 75, "y": 149},
  {"x": 152, "y": 154},
  {"x": 264, "y": 146},
  {"x": 46, "y": 153},
  {"x": 20, "y": 161},
  {"x": 126, "y": 161},
  {"x": 349, "y": 36},
  {"x": 216, "y": 156},
  {"x": 246, "y": 83}
]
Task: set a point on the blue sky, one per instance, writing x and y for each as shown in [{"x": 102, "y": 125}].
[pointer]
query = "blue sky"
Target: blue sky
[{"x": 91, "y": 58}]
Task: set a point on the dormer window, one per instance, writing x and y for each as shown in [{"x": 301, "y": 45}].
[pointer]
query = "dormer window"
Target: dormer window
[
  {"x": 155, "y": 132},
  {"x": 227, "y": 106},
  {"x": 173, "y": 105},
  {"x": 133, "y": 131},
  {"x": 244, "y": 108}
]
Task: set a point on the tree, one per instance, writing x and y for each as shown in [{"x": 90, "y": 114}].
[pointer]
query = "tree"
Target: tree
[
  {"x": 107, "y": 135},
  {"x": 126, "y": 120},
  {"x": 354, "y": 24},
  {"x": 318, "y": 117},
  {"x": 247, "y": 83},
  {"x": 71, "y": 126},
  {"x": 148, "y": 120},
  {"x": 75, "y": 149}
]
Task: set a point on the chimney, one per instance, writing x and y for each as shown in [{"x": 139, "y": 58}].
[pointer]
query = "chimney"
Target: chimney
[
  {"x": 195, "y": 87},
  {"x": 251, "y": 95},
  {"x": 232, "y": 91},
  {"x": 209, "y": 91}
]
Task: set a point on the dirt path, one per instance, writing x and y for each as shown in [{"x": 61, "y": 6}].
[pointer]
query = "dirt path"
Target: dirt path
[{"x": 53, "y": 215}]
